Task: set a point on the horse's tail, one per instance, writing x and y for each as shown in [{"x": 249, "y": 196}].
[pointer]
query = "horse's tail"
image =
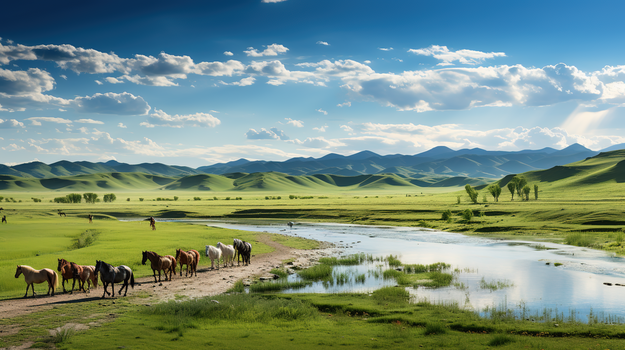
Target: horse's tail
[
  {"x": 55, "y": 282},
  {"x": 132, "y": 280}
]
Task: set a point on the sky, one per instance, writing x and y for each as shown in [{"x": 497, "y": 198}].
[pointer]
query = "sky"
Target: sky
[{"x": 196, "y": 83}]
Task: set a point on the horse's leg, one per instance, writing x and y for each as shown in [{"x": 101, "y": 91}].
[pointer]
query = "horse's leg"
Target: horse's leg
[
  {"x": 104, "y": 284},
  {"x": 64, "y": 291},
  {"x": 113, "y": 288},
  {"x": 159, "y": 275},
  {"x": 73, "y": 285},
  {"x": 27, "y": 286}
]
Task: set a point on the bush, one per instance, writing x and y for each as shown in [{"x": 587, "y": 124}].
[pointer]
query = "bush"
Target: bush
[
  {"x": 467, "y": 215},
  {"x": 197, "y": 198},
  {"x": 141, "y": 199},
  {"x": 500, "y": 339},
  {"x": 108, "y": 198},
  {"x": 74, "y": 198},
  {"x": 36, "y": 200},
  {"x": 127, "y": 199},
  {"x": 175, "y": 198},
  {"x": 446, "y": 215},
  {"x": 434, "y": 328}
]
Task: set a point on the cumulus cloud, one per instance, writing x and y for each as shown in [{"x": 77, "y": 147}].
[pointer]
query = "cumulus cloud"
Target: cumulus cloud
[
  {"x": 345, "y": 104},
  {"x": 322, "y": 43},
  {"x": 228, "y": 53},
  {"x": 385, "y": 48},
  {"x": 261, "y": 134},
  {"x": 321, "y": 111},
  {"x": 271, "y": 50},
  {"x": 63, "y": 76},
  {"x": 296, "y": 123},
  {"x": 321, "y": 128},
  {"x": 10, "y": 124},
  {"x": 99, "y": 82},
  {"x": 112, "y": 103},
  {"x": 448, "y": 58},
  {"x": 160, "y": 118},
  {"x": 243, "y": 82},
  {"x": 121, "y": 125}
]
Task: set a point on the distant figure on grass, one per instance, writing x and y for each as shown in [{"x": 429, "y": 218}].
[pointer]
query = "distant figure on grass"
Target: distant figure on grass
[
  {"x": 152, "y": 223},
  {"x": 61, "y": 213},
  {"x": 90, "y": 218},
  {"x": 37, "y": 276},
  {"x": 4, "y": 219}
]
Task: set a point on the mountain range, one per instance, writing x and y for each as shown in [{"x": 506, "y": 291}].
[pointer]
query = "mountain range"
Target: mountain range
[{"x": 440, "y": 161}]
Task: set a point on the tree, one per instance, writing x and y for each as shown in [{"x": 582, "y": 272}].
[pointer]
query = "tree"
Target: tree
[
  {"x": 535, "y": 191},
  {"x": 511, "y": 188},
  {"x": 495, "y": 191},
  {"x": 90, "y": 197},
  {"x": 520, "y": 184},
  {"x": 111, "y": 197},
  {"x": 472, "y": 193},
  {"x": 526, "y": 192},
  {"x": 446, "y": 215},
  {"x": 467, "y": 215}
]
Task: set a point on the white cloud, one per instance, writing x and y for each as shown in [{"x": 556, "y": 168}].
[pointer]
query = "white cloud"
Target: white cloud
[
  {"x": 88, "y": 121},
  {"x": 63, "y": 76},
  {"x": 112, "y": 80},
  {"x": 112, "y": 103},
  {"x": 321, "y": 129},
  {"x": 38, "y": 120},
  {"x": 160, "y": 118},
  {"x": 121, "y": 125},
  {"x": 10, "y": 124},
  {"x": 584, "y": 122},
  {"x": 243, "y": 82},
  {"x": 322, "y": 43},
  {"x": 321, "y": 111},
  {"x": 228, "y": 53},
  {"x": 296, "y": 123},
  {"x": 347, "y": 128},
  {"x": 262, "y": 134},
  {"x": 345, "y": 104},
  {"x": 442, "y": 53},
  {"x": 98, "y": 82},
  {"x": 385, "y": 48},
  {"x": 271, "y": 50},
  {"x": 271, "y": 1}
]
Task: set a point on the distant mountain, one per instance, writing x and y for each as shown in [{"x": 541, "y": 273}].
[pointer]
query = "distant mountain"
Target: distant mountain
[{"x": 441, "y": 160}]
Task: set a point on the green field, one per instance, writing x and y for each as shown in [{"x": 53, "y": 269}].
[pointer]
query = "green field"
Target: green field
[{"x": 581, "y": 204}]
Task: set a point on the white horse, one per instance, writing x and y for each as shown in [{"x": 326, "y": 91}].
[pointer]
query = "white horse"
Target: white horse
[
  {"x": 227, "y": 251},
  {"x": 214, "y": 254}
]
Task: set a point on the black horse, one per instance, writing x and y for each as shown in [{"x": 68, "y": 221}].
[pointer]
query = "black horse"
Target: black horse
[{"x": 112, "y": 275}]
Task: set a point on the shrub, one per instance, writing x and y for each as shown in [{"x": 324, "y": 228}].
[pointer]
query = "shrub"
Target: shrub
[
  {"x": 175, "y": 198},
  {"x": 446, "y": 215},
  {"x": 467, "y": 215},
  {"x": 108, "y": 198},
  {"x": 197, "y": 198},
  {"x": 500, "y": 339},
  {"x": 141, "y": 199},
  {"x": 127, "y": 199},
  {"x": 432, "y": 328},
  {"x": 36, "y": 200}
]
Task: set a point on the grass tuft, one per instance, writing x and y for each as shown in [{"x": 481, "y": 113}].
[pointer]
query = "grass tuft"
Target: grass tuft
[
  {"x": 500, "y": 339},
  {"x": 433, "y": 328},
  {"x": 317, "y": 272}
]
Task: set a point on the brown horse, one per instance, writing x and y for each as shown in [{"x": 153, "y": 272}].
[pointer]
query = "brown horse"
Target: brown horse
[
  {"x": 189, "y": 259},
  {"x": 173, "y": 262},
  {"x": 37, "y": 276},
  {"x": 70, "y": 270},
  {"x": 87, "y": 276},
  {"x": 197, "y": 259},
  {"x": 158, "y": 263}
]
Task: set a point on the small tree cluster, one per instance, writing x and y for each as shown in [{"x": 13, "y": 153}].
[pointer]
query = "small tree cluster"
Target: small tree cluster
[
  {"x": 90, "y": 197},
  {"x": 519, "y": 185},
  {"x": 108, "y": 198},
  {"x": 446, "y": 215},
  {"x": 467, "y": 215},
  {"x": 36, "y": 200},
  {"x": 197, "y": 198},
  {"x": 472, "y": 193},
  {"x": 74, "y": 198},
  {"x": 273, "y": 197}
]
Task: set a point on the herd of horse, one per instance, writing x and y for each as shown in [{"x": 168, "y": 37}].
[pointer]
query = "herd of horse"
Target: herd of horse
[{"x": 109, "y": 274}]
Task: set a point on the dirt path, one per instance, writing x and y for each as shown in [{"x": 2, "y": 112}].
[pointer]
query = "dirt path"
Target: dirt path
[{"x": 208, "y": 282}]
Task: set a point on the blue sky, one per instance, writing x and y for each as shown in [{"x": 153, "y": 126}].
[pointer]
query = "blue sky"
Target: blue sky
[{"x": 199, "y": 82}]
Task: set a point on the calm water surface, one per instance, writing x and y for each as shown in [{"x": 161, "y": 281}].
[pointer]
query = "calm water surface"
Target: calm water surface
[{"x": 577, "y": 286}]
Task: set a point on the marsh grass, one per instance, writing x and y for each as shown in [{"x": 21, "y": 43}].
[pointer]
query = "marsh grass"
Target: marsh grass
[
  {"x": 399, "y": 277},
  {"x": 495, "y": 284},
  {"x": 317, "y": 272},
  {"x": 279, "y": 272},
  {"x": 391, "y": 294},
  {"x": 63, "y": 334},
  {"x": 238, "y": 287},
  {"x": 277, "y": 286},
  {"x": 393, "y": 260},
  {"x": 353, "y": 259},
  {"x": 437, "y": 279},
  {"x": 419, "y": 268},
  {"x": 579, "y": 239},
  {"x": 500, "y": 339},
  {"x": 85, "y": 239}
]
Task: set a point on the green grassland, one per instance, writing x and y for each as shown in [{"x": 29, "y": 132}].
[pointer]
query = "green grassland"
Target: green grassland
[{"x": 581, "y": 203}]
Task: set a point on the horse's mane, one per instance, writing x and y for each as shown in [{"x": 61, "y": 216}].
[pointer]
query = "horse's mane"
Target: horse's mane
[{"x": 27, "y": 268}]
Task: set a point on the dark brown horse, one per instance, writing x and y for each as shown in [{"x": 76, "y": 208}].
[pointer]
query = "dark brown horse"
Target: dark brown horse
[
  {"x": 70, "y": 270},
  {"x": 190, "y": 258},
  {"x": 158, "y": 263}
]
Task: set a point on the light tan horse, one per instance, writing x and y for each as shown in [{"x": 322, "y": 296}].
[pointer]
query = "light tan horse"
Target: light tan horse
[{"x": 37, "y": 276}]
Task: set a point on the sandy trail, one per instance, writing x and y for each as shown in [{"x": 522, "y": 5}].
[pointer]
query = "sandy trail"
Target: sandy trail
[{"x": 208, "y": 282}]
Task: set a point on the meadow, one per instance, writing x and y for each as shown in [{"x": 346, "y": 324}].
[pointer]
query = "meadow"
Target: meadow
[{"x": 580, "y": 204}]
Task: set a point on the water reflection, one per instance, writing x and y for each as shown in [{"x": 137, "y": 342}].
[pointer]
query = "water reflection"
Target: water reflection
[{"x": 535, "y": 283}]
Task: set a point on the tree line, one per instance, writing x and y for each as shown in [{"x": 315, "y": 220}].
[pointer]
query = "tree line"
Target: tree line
[
  {"x": 518, "y": 185},
  {"x": 89, "y": 197}
]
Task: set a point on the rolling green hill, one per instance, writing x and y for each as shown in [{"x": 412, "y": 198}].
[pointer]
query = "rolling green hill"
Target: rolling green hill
[{"x": 269, "y": 181}]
